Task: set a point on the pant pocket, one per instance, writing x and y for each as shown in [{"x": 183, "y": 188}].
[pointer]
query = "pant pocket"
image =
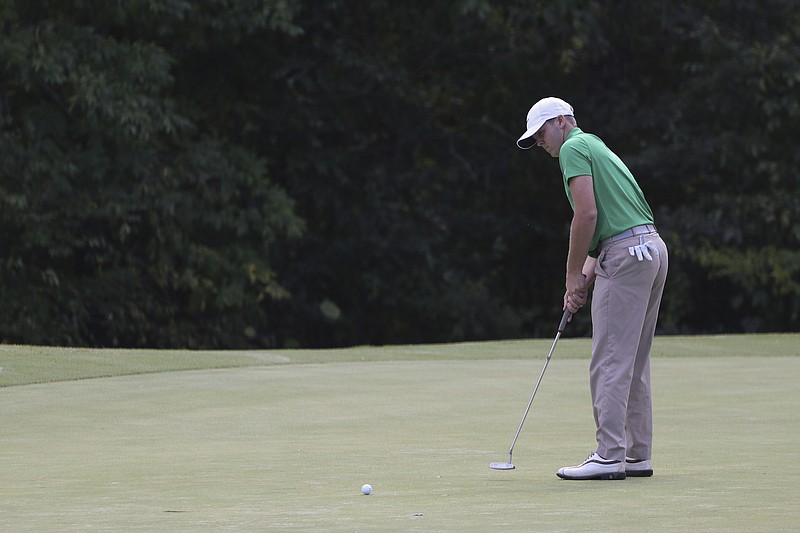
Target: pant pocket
[{"x": 611, "y": 260}]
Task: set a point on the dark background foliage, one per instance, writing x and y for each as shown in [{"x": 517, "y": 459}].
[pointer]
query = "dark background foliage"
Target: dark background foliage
[{"x": 267, "y": 173}]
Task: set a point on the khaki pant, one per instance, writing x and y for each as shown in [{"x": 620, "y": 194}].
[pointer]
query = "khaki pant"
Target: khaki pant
[{"x": 625, "y": 304}]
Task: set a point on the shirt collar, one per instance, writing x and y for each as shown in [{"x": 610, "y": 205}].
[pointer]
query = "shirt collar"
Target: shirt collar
[{"x": 574, "y": 131}]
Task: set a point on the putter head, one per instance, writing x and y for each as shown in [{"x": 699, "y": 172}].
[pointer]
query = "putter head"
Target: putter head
[{"x": 502, "y": 466}]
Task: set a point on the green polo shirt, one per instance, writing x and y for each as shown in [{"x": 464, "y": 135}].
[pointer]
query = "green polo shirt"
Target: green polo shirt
[{"x": 620, "y": 201}]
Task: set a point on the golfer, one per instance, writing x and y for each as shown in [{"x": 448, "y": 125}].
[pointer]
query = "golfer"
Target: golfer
[{"x": 614, "y": 244}]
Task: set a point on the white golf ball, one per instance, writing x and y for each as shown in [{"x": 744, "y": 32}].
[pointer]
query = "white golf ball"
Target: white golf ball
[{"x": 366, "y": 489}]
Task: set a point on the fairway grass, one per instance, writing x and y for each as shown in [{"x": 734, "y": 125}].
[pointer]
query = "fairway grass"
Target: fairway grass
[
  {"x": 283, "y": 440},
  {"x": 25, "y": 365}
]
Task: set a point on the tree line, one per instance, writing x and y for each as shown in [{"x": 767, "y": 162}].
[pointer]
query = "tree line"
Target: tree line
[{"x": 266, "y": 173}]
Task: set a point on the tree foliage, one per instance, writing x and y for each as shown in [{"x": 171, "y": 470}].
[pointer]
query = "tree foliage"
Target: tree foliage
[
  {"x": 123, "y": 222},
  {"x": 275, "y": 173}
]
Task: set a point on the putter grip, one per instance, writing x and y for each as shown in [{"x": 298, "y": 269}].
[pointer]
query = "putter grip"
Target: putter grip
[{"x": 564, "y": 320}]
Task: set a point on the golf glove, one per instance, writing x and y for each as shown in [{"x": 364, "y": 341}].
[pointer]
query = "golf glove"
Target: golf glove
[{"x": 643, "y": 249}]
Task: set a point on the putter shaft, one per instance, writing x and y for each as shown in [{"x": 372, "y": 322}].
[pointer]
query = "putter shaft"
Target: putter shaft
[{"x": 561, "y": 326}]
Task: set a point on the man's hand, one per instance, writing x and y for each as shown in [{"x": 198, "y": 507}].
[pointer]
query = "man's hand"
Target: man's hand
[
  {"x": 577, "y": 292},
  {"x": 579, "y": 283}
]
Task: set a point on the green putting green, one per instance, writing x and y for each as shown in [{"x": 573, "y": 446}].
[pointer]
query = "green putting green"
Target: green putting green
[{"x": 284, "y": 440}]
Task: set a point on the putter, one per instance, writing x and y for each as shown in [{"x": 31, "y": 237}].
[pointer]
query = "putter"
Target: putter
[{"x": 509, "y": 465}]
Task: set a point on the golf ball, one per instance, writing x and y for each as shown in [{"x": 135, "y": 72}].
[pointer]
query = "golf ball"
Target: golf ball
[{"x": 366, "y": 489}]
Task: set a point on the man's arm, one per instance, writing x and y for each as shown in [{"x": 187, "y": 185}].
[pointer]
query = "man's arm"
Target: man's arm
[
  {"x": 588, "y": 270},
  {"x": 580, "y": 237}
]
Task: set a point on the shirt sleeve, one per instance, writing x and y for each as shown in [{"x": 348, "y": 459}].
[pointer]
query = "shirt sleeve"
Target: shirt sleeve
[{"x": 575, "y": 159}]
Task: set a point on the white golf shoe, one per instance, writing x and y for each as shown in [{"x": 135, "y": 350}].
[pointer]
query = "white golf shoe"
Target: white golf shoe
[
  {"x": 638, "y": 467},
  {"x": 594, "y": 467}
]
